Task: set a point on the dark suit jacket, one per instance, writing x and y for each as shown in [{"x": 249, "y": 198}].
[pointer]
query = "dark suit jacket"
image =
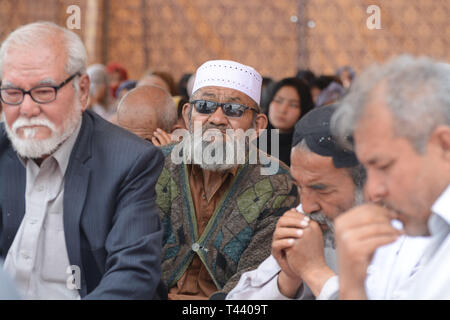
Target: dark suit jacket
[{"x": 112, "y": 229}]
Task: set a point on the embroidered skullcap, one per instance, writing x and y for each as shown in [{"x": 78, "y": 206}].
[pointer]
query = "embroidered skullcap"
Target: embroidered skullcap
[{"x": 229, "y": 74}]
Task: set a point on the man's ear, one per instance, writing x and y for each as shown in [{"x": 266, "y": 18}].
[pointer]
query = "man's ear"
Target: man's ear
[
  {"x": 185, "y": 113},
  {"x": 261, "y": 122},
  {"x": 84, "y": 85},
  {"x": 441, "y": 138}
]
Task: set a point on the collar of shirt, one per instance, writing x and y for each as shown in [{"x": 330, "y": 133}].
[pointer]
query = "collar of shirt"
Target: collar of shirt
[
  {"x": 197, "y": 170},
  {"x": 213, "y": 185},
  {"x": 440, "y": 218},
  {"x": 62, "y": 154}
]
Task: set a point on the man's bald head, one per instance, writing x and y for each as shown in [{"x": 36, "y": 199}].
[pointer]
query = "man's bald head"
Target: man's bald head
[
  {"x": 153, "y": 80},
  {"x": 146, "y": 108}
]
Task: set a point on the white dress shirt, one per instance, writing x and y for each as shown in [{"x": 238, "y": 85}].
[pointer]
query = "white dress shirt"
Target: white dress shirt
[
  {"x": 392, "y": 266},
  {"x": 262, "y": 283},
  {"x": 37, "y": 260},
  {"x": 432, "y": 277}
]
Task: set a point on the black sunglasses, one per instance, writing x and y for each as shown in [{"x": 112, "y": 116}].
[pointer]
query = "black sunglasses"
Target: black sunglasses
[{"x": 230, "y": 109}]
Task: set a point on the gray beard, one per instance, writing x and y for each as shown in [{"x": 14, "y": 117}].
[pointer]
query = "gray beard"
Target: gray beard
[
  {"x": 328, "y": 235},
  {"x": 217, "y": 155},
  {"x": 194, "y": 152}
]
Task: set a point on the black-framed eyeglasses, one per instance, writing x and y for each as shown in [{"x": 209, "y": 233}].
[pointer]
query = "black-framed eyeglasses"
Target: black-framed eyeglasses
[
  {"x": 230, "y": 109},
  {"x": 39, "y": 94}
]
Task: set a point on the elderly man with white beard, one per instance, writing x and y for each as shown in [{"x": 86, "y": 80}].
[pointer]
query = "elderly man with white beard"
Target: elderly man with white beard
[
  {"x": 77, "y": 194},
  {"x": 303, "y": 264},
  {"x": 219, "y": 212}
]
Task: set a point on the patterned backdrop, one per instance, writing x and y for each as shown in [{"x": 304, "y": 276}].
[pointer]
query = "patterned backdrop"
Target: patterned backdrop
[
  {"x": 14, "y": 13},
  {"x": 340, "y": 35},
  {"x": 179, "y": 35},
  {"x": 275, "y": 37}
]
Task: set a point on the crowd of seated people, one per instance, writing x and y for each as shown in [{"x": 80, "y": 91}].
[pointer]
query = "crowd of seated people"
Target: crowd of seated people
[{"x": 225, "y": 185}]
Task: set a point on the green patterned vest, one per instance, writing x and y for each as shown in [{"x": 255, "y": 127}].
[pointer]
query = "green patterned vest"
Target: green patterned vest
[{"x": 238, "y": 236}]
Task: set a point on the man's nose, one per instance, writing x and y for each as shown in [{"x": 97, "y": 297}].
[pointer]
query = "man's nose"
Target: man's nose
[
  {"x": 218, "y": 118},
  {"x": 375, "y": 188},
  {"x": 29, "y": 108},
  {"x": 309, "y": 203}
]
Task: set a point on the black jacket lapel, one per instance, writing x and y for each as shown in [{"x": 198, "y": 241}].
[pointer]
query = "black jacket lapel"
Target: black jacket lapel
[
  {"x": 75, "y": 190},
  {"x": 15, "y": 207}
]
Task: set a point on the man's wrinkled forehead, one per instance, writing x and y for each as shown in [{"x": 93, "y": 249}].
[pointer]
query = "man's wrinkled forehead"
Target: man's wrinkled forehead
[
  {"x": 49, "y": 57},
  {"x": 309, "y": 168}
]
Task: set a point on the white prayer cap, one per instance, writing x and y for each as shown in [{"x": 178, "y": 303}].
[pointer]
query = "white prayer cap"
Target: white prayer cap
[{"x": 229, "y": 74}]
